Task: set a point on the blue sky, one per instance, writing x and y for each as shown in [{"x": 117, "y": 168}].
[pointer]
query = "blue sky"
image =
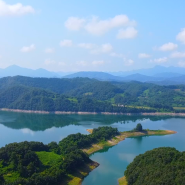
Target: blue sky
[{"x": 81, "y": 35}]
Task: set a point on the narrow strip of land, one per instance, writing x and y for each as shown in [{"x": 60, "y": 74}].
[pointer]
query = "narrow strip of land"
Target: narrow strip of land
[{"x": 114, "y": 141}]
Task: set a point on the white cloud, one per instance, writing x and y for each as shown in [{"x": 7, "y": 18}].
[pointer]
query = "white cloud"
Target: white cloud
[
  {"x": 104, "y": 48},
  {"x": 128, "y": 33},
  {"x": 181, "y": 36},
  {"x": 96, "y": 26},
  {"x": 144, "y": 55},
  {"x": 49, "y": 50},
  {"x": 118, "y": 55},
  {"x": 178, "y": 55},
  {"x": 86, "y": 45},
  {"x": 14, "y": 10},
  {"x": 81, "y": 63},
  {"x": 62, "y": 64},
  {"x": 49, "y": 62},
  {"x": 113, "y": 54},
  {"x": 159, "y": 60},
  {"x": 27, "y": 49},
  {"x": 99, "y": 27},
  {"x": 66, "y": 43},
  {"x": 97, "y": 49},
  {"x": 129, "y": 62},
  {"x": 181, "y": 64},
  {"x": 168, "y": 47},
  {"x": 98, "y": 62},
  {"x": 90, "y": 64},
  {"x": 74, "y": 23}
]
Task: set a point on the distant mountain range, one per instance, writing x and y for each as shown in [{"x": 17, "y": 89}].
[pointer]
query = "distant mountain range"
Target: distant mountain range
[
  {"x": 15, "y": 70},
  {"x": 161, "y": 79},
  {"x": 153, "y": 71},
  {"x": 159, "y": 75}
]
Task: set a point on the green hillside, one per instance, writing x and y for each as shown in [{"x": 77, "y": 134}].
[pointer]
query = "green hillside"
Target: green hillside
[{"x": 89, "y": 95}]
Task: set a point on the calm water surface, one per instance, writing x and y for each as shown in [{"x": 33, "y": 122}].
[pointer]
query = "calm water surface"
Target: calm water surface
[{"x": 17, "y": 127}]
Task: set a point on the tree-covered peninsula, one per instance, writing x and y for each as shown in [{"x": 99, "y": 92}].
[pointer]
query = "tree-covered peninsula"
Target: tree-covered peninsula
[
  {"x": 66, "y": 162},
  {"x": 29, "y": 163}
]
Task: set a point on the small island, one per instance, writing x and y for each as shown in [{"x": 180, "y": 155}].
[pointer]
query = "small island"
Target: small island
[{"x": 63, "y": 163}]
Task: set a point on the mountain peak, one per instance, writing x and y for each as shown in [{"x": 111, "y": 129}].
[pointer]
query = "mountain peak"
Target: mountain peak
[{"x": 13, "y": 67}]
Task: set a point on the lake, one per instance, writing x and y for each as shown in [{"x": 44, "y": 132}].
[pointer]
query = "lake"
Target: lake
[{"x": 17, "y": 127}]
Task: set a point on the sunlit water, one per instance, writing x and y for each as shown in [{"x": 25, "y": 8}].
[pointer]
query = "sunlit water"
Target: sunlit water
[{"x": 17, "y": 127}]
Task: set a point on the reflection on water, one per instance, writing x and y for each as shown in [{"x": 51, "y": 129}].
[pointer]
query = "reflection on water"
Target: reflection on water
[
  {"x": 41, "y": 122},
  {"x": 104, "y": 150},
  {"x": 34, "y": 122}
]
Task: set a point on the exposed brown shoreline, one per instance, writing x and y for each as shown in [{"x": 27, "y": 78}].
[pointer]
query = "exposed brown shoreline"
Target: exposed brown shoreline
[{"x": 94, "y": 113}]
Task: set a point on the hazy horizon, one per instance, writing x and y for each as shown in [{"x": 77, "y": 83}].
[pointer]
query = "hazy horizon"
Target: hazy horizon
[{"x": 156, "y": 66}]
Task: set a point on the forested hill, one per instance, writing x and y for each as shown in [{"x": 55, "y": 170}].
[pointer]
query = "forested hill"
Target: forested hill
[
  {"x": 160, "y": 166},
  {"x": 29, "y": 98},
  {"x": 54, "y": 84},
  {"x": 84, "y": 94}
]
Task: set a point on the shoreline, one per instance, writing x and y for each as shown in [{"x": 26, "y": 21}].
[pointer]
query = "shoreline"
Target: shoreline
[
  {"x": 123, "y": 135},
  {"x": 122, "y": 181},
  {"x": 92, "y": 113},
  {"x": 78, "y": 177}
]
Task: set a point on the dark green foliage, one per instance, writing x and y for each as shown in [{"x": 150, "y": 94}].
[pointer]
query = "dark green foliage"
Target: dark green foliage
[
  {"x": 56, "y": 85},
  {"x": 96, "y": 89},
  {"x": 161, "y": 166},
  {"x": 2, "y": 179},
  {"x": 89, "y": 95},
  {"x": 82, "y": 141},
  {"x": 29, "y": 160},
  {"x": 28, "y": 98},
  {"x": 138, "y": 128}
]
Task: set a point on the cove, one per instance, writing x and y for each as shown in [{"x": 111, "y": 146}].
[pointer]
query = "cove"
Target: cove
[
  {"x": 17, "y": 127},
  {"x": 113, "y": 161}
]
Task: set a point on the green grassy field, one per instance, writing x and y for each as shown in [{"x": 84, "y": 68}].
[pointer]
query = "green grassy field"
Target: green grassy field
[{"x": 48, "y": 158}]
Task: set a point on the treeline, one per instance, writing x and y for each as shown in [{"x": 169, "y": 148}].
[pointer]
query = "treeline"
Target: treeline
[
  {"x": 27, "y": 98},
  {"x": 57, "y": 94},
  {"x": 83, "y": 141},
  {"x": 25, "y": 163},
  {"x": 161, "y": 166}
]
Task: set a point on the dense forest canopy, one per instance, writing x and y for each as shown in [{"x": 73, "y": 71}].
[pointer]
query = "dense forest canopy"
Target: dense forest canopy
[
  {"x": 29, "y": 163},
  {"x": 89, "y": 95},
  {"x": 161, "y": 166}
]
